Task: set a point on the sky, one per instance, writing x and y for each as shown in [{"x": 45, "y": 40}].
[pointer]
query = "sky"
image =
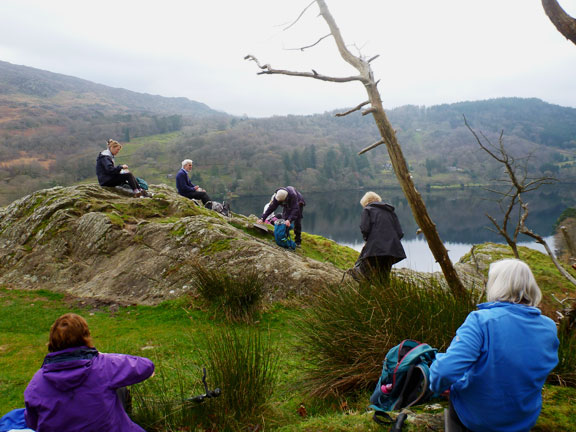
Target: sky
[{"x": 430, "y": 51}]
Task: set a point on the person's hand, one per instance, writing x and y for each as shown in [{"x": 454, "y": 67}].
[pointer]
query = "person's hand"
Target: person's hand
[
  {"x": 125, "y": 167},
  {"x": 287, "y": 223},
  {"x": 259, "y": 221}
]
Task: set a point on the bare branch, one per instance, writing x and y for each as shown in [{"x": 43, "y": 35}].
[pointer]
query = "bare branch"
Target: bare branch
[
  {"x": 368, "y": 111},
  {"x": 267, "y": 69},
  {"x": 356, "y": 108},
  {"x": 370, "y": 147},
  {"x": 309, "y": 46},
  {"x": 371, "y": 59},
  {"x": 300, "y": 16}
]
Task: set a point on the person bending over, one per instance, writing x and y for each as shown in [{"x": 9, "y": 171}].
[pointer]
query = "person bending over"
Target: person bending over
[
  {"x": 496, "y": 365},
  {"x": 187, "y": 189},
  {"x": 75, "y": 389},
  {"x": 110, "y": 175},
  {"x": 293, "y": 204}
]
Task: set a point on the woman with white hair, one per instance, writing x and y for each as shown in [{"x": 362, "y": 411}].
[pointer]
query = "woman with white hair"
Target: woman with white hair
[
  {"x": 382, "y": 232},
  {"x": 497, "y": 364}
]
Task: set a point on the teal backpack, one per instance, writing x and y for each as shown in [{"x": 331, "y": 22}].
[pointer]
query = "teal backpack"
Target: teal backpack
[
  {"x": 405, "y": 378},
  {"x": 282, "y": 235}
]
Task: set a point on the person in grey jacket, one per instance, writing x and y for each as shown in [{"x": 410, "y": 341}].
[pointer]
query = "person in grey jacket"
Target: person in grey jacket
[{"x": 382, "y": 232}]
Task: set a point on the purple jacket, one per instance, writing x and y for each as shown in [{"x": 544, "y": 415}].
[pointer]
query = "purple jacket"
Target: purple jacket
[
  {"x": 293, "y": 205},
  {"x": 75, "y": 391}
]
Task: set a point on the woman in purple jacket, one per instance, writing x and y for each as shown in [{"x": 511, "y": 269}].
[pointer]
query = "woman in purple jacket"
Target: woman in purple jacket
[{"x": 75, "y": 390}]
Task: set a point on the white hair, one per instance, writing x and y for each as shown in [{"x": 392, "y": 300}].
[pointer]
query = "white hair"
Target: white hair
[
  {"x": 186, "y": 162},
  {"x": 511, "y": 280}
]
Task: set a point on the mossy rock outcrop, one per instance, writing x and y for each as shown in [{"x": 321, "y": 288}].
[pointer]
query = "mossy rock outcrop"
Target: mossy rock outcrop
[{"x": 99, "y": 242}]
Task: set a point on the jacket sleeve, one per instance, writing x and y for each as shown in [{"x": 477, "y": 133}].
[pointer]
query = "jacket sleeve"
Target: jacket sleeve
[
  {"x": 31, "y": 417},
  {"x": 365, "y": 225},
  {"x": 125, "y": 370},
  {"x": 463, "y": 352},
  {"x": 108, "y": 166},
  {"x": 397, "y": 226},
  {"x": 271, "y": 208}
]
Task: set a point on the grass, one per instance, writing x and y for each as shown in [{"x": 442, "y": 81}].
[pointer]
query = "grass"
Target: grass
[
  {"x": 350, "y": 326},
  {"x": 176, "y": 334}
]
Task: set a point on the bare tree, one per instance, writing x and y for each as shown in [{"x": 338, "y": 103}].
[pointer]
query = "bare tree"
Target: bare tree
[
  {"x": 516, "y": 183},
  {"x": 387, "y": 137},
  {"x": 563, "y": 22}
]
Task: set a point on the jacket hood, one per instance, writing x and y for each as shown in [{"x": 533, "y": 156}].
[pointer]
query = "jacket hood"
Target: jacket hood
[
  {"x": 69, "y": 368},
  {"x": 106, "y": 152},
  {"x": 382, "y": 205},
  {"x": 512, "y": 307}
]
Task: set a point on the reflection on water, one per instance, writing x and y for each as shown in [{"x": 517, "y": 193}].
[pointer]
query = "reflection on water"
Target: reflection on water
[{"x": 459, "y": 215}]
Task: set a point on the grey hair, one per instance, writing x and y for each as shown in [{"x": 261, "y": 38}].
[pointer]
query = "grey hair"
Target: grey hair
[
  {"x": 511, "y": 280},
  {"x": 186, "y": 162},
  {"x": 370, "y": 197}
]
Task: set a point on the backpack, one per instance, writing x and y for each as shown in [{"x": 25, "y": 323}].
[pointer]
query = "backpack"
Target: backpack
[
  {"x": 282, "y": 235},
  {"x": 222, "y": 208},
  {"x": 405, "y": 378},
  {"x": 142, "y": 184}
]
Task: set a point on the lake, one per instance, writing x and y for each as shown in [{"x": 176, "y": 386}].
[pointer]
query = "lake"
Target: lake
[{"x": 459, "y": 215}]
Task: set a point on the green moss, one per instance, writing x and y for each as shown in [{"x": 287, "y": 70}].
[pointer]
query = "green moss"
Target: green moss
[
  {"x": 558, "y": 410},
  {"x": 115, "y": 219},
  {"x": 217, "y": 246},
  {"x": 322, "y": 249}
]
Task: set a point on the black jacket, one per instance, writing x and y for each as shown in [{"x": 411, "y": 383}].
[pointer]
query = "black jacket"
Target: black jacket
[
  {"x": 105, "y": 169},
  {"x": 382, "y": 232}
]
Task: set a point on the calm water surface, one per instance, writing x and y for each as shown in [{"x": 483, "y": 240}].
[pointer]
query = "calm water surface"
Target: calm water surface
[{"x": 459, "y": 215}]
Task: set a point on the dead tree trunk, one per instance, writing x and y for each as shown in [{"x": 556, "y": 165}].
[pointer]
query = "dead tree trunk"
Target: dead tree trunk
[
  {"x": 563, "y": 22},
  {"x": 388, "y": 137}
]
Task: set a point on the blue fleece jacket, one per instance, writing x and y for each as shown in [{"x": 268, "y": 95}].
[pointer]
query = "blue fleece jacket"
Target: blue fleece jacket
[{"x": 496, "y": 366}]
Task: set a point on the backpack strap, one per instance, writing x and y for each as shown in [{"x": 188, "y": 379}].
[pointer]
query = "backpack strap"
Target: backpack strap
[{"x": 382, "y": 418}]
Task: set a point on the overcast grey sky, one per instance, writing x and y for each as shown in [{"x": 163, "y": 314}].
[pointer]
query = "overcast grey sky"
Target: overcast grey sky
[{"x": 431, "y": 51}]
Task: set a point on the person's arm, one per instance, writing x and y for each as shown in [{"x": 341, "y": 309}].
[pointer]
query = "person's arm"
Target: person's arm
[
  {"x": 397, "y": 227},
  {"x": 108, "y": 166},
  {"x": 365, "y": 225},
  {"x": 183, "y": 183},
  {"x": 126, "y": 370},
  {"x": 463, "y": 352},
  {"x": 271, "y": 208},
  {"x": 31, "y": 417}
]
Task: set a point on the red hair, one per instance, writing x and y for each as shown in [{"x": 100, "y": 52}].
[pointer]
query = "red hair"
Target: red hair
[{"x": 68, "y": 331}]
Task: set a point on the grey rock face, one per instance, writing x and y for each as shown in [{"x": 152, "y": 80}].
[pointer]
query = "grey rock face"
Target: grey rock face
[{"x": 97, "y": 242}]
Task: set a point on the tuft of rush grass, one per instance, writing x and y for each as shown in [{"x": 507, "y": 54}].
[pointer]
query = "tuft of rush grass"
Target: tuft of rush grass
[
  {"x": 349, "y": 329},
  {"x": 565, "y": 372},
  {"x": 239, "y": 298},
  {"x": 239, "y": 362}
]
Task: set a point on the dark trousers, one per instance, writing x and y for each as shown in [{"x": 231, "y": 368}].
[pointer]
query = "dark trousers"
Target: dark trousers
[
  {"x": 202, "y": 196},
  {"x": 453, "y": 421},
  {"x": 377, "y": 267},
  {"x": 121, "y": 179},
  {"x": 298, "y": 226}
]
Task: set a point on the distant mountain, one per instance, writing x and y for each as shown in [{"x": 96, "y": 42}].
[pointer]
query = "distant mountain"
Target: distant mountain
[{"x": 52, "y": 126}]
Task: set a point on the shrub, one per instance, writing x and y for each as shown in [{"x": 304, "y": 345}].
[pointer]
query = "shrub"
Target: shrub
[
  {"x": 350, "y": 328},
  {"x": 565, "y": 372},
  {"x": 238, "y": 297},
  {"x": 242, "y": 364}
]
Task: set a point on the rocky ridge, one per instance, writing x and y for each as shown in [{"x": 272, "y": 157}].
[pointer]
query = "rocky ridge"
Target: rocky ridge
[{"x": 98, "y": 242}]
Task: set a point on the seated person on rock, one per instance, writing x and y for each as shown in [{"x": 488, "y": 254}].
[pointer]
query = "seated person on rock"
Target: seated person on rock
[
  {"x": 111, "y": 175},
  {"x": 78, "y": 388},
  {"x": 187, "y": 189},
  {"x": 497, "y": 364}
]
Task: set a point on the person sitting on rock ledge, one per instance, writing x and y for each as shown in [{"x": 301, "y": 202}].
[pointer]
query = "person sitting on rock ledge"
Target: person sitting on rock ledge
[
  {"x": 187, "y": 189},
  {"x": 110, "y": 175},
  {"x": 78, "y": 388}
]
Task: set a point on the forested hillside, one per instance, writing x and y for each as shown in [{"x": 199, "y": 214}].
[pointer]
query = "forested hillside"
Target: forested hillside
[{"x": 52, "y": 126}]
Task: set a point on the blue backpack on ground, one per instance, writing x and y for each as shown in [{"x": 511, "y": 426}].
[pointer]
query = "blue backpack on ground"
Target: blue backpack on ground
[
  {"x": 282, "y": 235},
  {"x": 13, "y": 421},
  {"x": 405, "y": 378}
]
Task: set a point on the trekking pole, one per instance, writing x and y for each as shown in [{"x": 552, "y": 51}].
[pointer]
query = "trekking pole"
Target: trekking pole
[
  {"x": 207, "y": 393},
  {"x": 397, "y": 426}
]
